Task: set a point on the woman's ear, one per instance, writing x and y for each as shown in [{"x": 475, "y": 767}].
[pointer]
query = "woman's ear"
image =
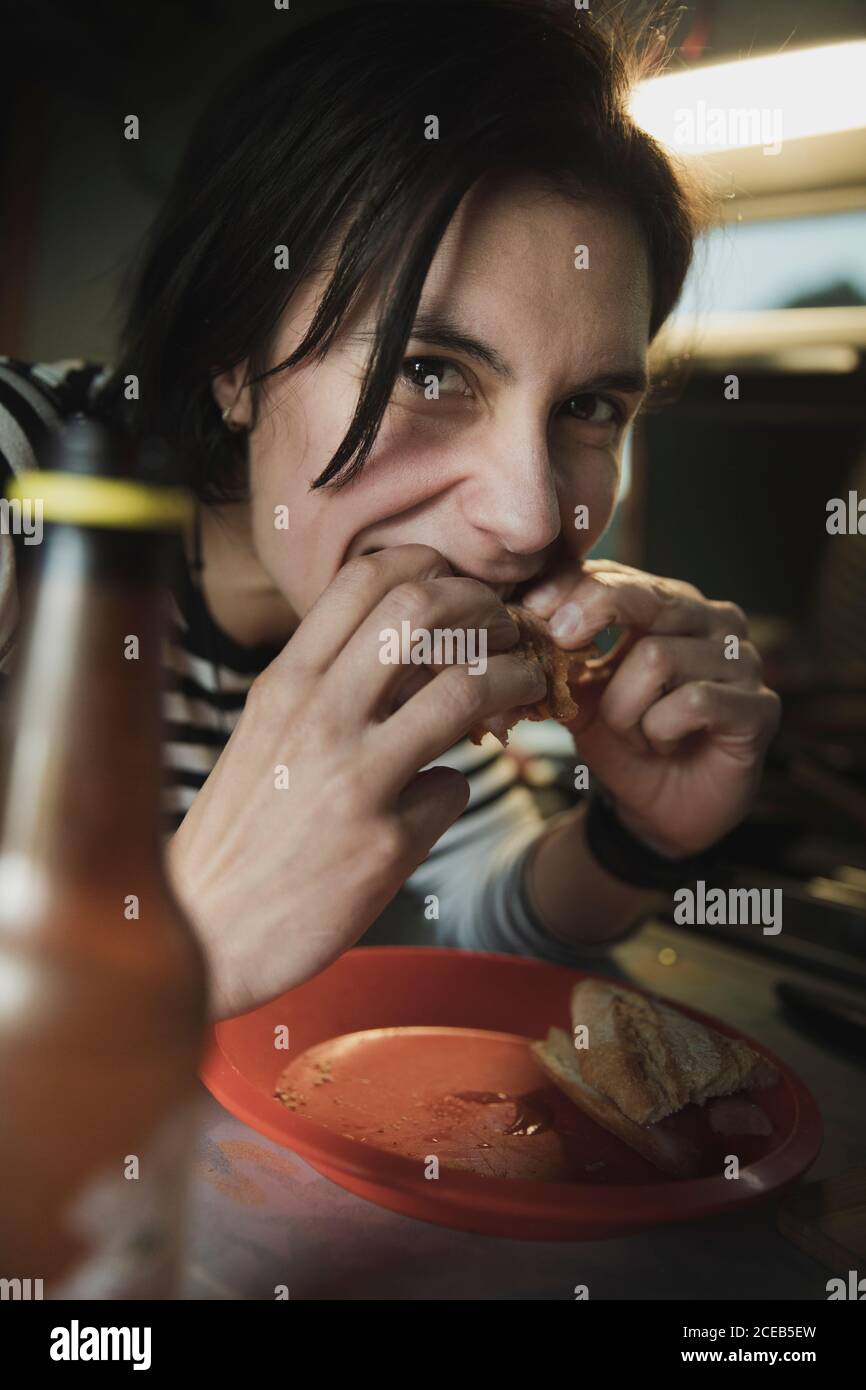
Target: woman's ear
[{"x": 232, "y": 397}]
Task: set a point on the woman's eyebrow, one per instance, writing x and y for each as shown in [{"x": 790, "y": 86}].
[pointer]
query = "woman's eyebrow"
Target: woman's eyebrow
[
  {"x": 441, "y": 331},
  {"x": 634, "y": 382}
]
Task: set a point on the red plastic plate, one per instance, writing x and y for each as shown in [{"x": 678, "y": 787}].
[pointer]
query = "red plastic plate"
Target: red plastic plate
[{"x": 374, "y": 1109}]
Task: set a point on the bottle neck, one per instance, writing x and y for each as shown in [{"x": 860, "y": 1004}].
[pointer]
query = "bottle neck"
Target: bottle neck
[{"x": 84, "y": 778}]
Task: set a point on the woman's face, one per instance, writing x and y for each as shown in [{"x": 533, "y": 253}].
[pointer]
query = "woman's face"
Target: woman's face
[{"x": 533, "y": 401}]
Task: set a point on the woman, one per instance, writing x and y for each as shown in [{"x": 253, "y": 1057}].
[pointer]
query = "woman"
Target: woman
[{"x": 393, "y": 318}]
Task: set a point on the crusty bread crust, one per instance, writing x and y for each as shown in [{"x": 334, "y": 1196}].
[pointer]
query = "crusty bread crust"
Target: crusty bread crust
[
  {"x": 670, "y": 1152},
  {"x": 535, "y": 641},
  {"x": 643, "y": 1062},
  {"x": 651, "y": 1060}
]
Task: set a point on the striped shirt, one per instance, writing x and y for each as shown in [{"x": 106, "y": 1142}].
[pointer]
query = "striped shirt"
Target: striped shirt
[{"x": 475, "y": 870}]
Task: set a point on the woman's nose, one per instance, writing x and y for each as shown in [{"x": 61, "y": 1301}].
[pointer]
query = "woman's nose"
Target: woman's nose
[{"x": 512, "y": 494}]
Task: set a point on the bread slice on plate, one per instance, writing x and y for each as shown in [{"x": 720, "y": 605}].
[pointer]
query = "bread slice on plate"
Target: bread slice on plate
[{"x": 643, "y": 1063}]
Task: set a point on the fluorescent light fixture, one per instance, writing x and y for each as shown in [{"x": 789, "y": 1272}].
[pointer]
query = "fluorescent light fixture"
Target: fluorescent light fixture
[{"x": 761, "y": 101}]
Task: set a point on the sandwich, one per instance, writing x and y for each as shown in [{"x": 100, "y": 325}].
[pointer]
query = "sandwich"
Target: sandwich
[
  {"x": 643, "y": 1063},
  {"x": 561, "y": 668}
]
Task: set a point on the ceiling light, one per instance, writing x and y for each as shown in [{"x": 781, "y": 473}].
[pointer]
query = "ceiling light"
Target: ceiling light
[{"x": 760, "y": 101}]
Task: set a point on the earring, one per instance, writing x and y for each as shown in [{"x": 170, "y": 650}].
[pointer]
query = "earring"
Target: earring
[{"x": 227, "y": 420}]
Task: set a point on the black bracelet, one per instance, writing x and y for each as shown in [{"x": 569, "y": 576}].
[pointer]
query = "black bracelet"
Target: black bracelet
[{"x": 623, "y": 856}]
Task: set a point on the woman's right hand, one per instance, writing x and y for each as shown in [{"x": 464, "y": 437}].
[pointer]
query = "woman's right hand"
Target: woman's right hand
[{"x": 278, "y": 882}]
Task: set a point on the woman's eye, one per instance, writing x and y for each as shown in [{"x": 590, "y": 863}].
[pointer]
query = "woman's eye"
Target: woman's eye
[
  {"x": 595, "y": 410},
  {"x": 433, "y": 376}
]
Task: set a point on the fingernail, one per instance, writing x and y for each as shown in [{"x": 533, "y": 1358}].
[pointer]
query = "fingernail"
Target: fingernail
[
  {"x": 541, "y": 596},
  {"x": 566, "y": 621}
]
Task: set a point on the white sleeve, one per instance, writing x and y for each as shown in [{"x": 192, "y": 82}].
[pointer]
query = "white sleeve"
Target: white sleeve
[{"x": 473, "y": 877}]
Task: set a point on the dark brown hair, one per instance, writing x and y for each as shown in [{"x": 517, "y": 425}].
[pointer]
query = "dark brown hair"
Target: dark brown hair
[{"x": 326, "y": 130}]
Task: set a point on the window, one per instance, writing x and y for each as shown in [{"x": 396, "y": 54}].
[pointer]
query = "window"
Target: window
[{"x": 779, "y": 263}]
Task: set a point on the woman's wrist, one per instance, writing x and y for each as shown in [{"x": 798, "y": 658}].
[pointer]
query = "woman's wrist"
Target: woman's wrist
[
  {"x": 571, "y": 895},
  {"x": 645, "y": 835},
  {"x": 220, "y": 1003},
  {"x": 643, "y": 860},
  {"x": 174, "y": 869}
]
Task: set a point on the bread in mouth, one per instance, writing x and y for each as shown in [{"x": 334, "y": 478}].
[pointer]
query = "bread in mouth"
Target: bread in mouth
[
  {"x": 536, "y": 642},
  {"x": 644, "y": 1062}
]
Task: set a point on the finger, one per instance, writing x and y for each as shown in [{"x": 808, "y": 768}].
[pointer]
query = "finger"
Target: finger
[
  {"x": 416, "y": 677},
  {"x": 555, "y": 589},
  {"x": 551, "y": 593},
  {"x": 587, "y": 694},
  {"x": 726, "y": 617},
  {"x": 434, "y": 623},
  {"x": 745, "y": 717},
  {"x": 352, "y": 594},
  {"x": 610, "y": 598},
  {"x": 656, "y": 665},
  {"x": 600, "y": 565},
  {"x": 432, "y": 801},
  {"x": 442, "y": 713}
]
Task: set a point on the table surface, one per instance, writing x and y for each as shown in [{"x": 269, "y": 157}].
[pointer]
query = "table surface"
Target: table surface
[{"x": 262, "y": 1217}]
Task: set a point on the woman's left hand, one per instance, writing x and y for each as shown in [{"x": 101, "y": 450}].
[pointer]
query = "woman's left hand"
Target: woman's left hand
[{"x": 678, "y": 733}]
